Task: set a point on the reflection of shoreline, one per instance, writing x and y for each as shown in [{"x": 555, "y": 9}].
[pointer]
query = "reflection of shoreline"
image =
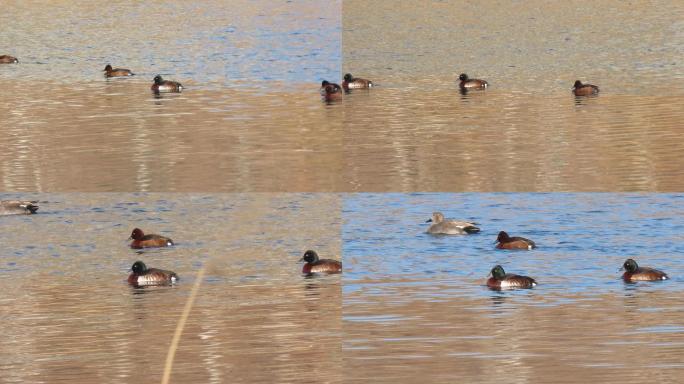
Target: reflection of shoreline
[{"x": 117, "y": 138}]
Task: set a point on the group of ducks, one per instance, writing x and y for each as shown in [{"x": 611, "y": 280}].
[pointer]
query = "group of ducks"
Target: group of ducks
[
  {"x": 329, "y": 91},
  {"x": 158, "y": 86},
  {"x": 501, "y": 280},
  {"x": 333, "y": 92},
  {"x": 141, "y": 275}
]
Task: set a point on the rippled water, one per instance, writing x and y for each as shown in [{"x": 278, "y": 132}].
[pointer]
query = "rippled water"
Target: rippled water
[
  {"x": 69, "y": 314},
  {"x": 527, "y": 132},
  {"x": 250, "y": 120},
  {"x": 416, "y": 305}
]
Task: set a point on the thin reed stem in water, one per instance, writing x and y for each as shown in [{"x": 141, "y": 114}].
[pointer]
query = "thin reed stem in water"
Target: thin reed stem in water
[{"x": 168, "y": 366}]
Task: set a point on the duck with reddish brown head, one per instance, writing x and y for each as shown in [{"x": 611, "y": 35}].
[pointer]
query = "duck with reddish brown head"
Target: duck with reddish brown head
[
  {"x": 143, "y": 276},
  {"x": 330, "y": 91},
  {"x": 141, "y": 240},
  {"x": 117, "y": 72},
  {"x": 633, "y": 272},
  {"x": 468, "y": 83},
  {"x": 316, "y": 265},
  {"x": 503, "y": 241},
  {"x": 502, "y": 280},
  {"x": 580, "y": 89}
]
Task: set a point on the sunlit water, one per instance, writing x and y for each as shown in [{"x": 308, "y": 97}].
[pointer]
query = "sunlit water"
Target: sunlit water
[
  {"x": 70, "y": 316},
  {"x": 526, "y": 132},
  {"x": 249, "y": 119},
  {"x": 416, "y": 305}
]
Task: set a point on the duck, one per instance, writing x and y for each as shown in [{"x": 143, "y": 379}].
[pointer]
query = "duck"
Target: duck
[
  {"x": 117, "y": 72},
  {"x": 17, "y": 207},
  {"x": 7, "y": 59},
  {"x": 503, "y": 241},
  {"x": 468, "y": 83},
  {"x": 502, "y": 280},
  {"x": 316, "y": 265},
  {"x": 142, "y": 276},
  {"x": 330, "y": 91},
  {"x": 165, "y": 86},
  {"x": 351, "y": 82},
  {"x": 141, "y": 240},
  {"x": 580, "y": 89},
  {"x": 633, "y": 272},
  {"x": 441, "y": 226}
]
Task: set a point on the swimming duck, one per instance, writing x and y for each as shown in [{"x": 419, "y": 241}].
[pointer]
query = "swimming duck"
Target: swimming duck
[
  {"x": 633, "y": 272},
  {"x": 164, "y": 86},
  {"x": 141, "y": 240},
  {"x": 142, "y": 276},
  {"x": 316, "y": 265},
  {"x": 468, "y": 83},
  {"x": 503, "y": 241},
  {"x": 450, "y": 227},
  {"x": 580, "y": 89},
  {"x": 351, "y": 82},
  {"x": 18, "y": 207},
  {"x": 502, "y": 280}
]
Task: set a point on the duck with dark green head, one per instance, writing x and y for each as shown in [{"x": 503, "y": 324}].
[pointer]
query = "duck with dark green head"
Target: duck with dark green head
[
  {"x": 633, "y": 272},
  {"x": 141, "y": 275},
  {"x": 316, "y": 265},
  {"x": 501, "y": 280},
  {"x": 351, "y": 82},
  {"x": 468, "y": 83}
]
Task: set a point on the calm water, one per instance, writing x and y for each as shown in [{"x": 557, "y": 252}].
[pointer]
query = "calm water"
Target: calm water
[
  {"x": 250, "y": 120},
  {"x": 415, "y": 305},
  {"x": 70, "y": 316},
  {"x": 250, "y": 117},
  {"x": 416, "y": 132}
]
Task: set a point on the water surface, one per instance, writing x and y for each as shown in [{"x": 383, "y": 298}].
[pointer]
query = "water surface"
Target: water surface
[
  {"x": 527, "y": 132},
  {"x": 70, "y": 315},
  {"x": 416, "y": 305}
]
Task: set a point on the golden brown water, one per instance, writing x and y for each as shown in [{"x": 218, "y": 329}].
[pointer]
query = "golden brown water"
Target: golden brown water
[
  {"x": 70, "y": 315},
  {"x": 600, "y": 339},
  {"x": 250, "y": 120},
  {"x": 115, "y": 136},
  {"x": 527, "y": 132}
]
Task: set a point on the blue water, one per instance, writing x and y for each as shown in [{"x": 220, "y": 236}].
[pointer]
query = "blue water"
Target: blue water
[
  {"x": 582, "y": 240},
  {"x": 209, "y": 44}
]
